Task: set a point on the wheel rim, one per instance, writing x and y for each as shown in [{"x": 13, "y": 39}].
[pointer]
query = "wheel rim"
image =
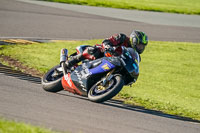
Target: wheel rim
[
  {"x": 98, "y": 89},
  {"x": 54, "y": 76}
]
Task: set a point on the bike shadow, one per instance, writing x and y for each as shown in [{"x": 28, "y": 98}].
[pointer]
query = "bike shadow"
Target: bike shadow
[
  {"x": 9, "y": 71},
  {"x": 120, "y": 104}
]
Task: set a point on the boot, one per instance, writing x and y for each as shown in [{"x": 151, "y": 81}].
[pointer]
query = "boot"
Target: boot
[{"x": 74, "y": 60}]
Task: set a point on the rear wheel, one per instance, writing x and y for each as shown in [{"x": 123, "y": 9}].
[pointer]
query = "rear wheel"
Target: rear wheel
[
  {"x": 51, "y": 81},
  {"x": 99, "y": 93}
]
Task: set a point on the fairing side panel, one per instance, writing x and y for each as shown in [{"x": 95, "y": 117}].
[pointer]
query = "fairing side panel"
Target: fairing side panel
[
  {"x": 68, "y": 85},
  {"x": 83, "y": 77},
  {"x": 103, "y": 67},
  {"x": 80, "y": 78}
]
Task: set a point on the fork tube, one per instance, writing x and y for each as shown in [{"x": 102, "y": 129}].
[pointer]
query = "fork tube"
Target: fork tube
[
  {"x": 63, "y": 68},
  {"x": 108, "y": 77}
]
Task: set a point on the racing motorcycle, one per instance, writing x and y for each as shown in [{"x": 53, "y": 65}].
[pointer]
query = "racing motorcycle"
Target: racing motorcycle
[{"x": 99, "y": 79}]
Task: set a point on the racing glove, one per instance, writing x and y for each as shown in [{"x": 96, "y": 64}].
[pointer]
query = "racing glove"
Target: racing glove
[{"x": 109, "y": 50}]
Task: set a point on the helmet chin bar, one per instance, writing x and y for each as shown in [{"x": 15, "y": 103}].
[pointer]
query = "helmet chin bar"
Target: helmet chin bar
[{"x": 140, "y": 51}]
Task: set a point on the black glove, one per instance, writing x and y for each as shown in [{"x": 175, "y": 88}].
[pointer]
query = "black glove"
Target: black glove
[
  {"x": 109, "y": 49},
  {"x": 91, "y": 50}
]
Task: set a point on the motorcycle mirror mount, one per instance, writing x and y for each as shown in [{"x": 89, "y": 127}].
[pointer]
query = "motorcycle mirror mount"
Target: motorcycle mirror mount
[{"x": 63, "y": 68}]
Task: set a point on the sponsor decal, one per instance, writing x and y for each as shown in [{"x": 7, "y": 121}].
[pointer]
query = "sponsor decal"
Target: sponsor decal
[
  {"x": 85, "y": 72},
  {"x": 68, "y": 80},
  {"x": 69, "y": 86},
  {"x": 105, "y": 67},
  {"x": 82, "y": 74},
  {"x": 79, "y": 80},
  {"x": 128, "y": 54}
]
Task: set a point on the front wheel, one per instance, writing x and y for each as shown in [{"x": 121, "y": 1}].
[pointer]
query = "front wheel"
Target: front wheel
[
  {"x": 51, "y": 81},
  {"x": 99, "y": 93}
]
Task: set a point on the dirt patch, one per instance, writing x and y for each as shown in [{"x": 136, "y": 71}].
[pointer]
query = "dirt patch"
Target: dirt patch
[
  {"x": 15, "y": 64},
  {"x": 16, "y": 41}
]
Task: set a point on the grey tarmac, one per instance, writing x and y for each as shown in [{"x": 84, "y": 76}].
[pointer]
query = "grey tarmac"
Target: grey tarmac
[{"x": 26, "y": 20}]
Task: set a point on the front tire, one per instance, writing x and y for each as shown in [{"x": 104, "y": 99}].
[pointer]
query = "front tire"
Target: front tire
[
  {"x": 114, "y": 87},
  {"x": 52, "y": 82}
]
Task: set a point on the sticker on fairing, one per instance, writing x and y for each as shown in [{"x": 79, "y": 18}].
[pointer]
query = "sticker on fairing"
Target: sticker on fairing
[{"x": 105, "y": 67}]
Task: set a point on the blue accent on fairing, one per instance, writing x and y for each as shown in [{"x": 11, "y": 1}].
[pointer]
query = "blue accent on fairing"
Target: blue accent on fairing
[
  {"x": 101, "y": 69},
  {"x": 136, "y": 68}
]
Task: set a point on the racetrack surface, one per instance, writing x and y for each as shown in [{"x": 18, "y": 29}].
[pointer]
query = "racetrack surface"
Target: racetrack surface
[
  {"x": 158, "y": 18},
  {"x": 25, "y": 20},
  {"x": 22, "y": 97}
]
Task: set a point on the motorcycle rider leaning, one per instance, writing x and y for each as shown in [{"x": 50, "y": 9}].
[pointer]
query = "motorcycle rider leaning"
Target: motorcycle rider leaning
[{"x": 137, "y": 40}]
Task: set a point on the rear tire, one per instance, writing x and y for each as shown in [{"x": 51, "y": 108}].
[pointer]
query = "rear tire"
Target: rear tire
[
  {"x": 95, "y": 95},
  {"x": 52, "y": 84}
]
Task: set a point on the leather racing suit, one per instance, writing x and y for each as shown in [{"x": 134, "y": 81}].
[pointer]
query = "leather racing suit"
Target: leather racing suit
[{"x": 112, "y": 46}]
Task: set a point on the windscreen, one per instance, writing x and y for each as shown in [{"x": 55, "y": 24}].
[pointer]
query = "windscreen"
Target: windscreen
[{"x": 132, "y": 61}]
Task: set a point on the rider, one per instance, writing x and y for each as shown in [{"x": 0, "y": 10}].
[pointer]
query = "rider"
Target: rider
[{"x": 138, "y": 40}]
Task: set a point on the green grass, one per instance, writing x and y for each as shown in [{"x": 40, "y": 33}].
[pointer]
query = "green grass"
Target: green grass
[
  {"x": 172, "y": 6},
  {"x": 169, "y": 79},
  {"x": 18, "y": 127},
  {"x": 169, "y": 73}
]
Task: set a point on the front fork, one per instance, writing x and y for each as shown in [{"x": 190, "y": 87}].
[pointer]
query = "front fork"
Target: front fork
[
  {"x": 63, "y": 59},
  {"x": 108, "y": 77}
]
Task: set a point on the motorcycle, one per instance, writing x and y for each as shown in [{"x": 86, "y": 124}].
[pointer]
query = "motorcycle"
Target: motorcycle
[{"x": 99, "y": 79}]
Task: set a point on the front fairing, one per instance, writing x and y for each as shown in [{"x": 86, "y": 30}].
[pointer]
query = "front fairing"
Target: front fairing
[{"x": 130, "y": 60}]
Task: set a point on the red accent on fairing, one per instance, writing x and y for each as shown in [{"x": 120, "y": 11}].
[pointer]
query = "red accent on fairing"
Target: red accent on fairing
[
  {"x": 68, "y": 85},
  {"x": 78, "y": 52},
  {"x": 88, "y": 56}
]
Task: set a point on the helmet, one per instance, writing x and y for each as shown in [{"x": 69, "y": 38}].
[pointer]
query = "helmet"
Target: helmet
[{"x": 138, "y": 40}]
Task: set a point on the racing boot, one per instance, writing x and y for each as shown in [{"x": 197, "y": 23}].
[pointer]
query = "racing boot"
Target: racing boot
[
  {"x": 74, "y": 60},
  {"x": 90, "y": 53}
]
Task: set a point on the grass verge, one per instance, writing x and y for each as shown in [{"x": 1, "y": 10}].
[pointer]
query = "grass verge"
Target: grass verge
[
  {"x": 169, "y": 73},
  {"x": 172, "y": 6},
  {"x": 16, "y": 127}
]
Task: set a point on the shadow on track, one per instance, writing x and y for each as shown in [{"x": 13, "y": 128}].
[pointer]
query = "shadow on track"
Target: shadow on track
[
  {"x": 8, "y": 71},
  {"x": 120, "y": 104}
]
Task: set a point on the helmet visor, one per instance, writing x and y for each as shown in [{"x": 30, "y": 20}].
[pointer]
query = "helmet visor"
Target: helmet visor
[{"x": 140, "y": 48}]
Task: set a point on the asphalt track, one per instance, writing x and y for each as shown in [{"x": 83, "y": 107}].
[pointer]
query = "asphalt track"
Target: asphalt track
[
  {"x": 21, "y": 96},
  {"x": 26, "y": 20}
]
